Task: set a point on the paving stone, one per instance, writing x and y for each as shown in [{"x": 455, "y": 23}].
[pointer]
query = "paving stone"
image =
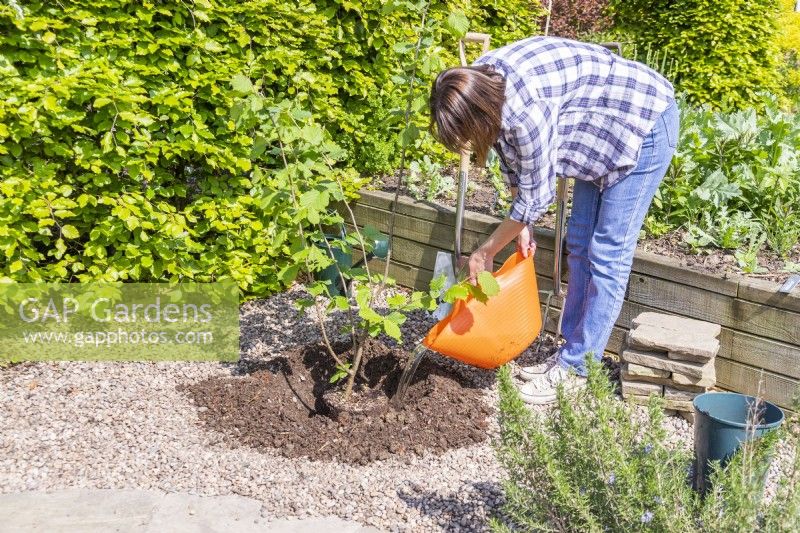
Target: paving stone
[
  {"x": 640, "y": 388},
  {"x": 676, "y": 405},
  {"x": 678, "y": 323},
  {"x": 680, "y": 343},
  {"x": 646, "y": 372},
  {"x": 689, "y": 357},
  {"x": 709, "y": 379},
  {"x": 660, "y": 361},
  {"x": 671, "y": 393},
  {"x": 658, "y": 381},
  {"x": 687, "y": 388},
  {"x": 141, "y": 511},
  {"x": 688, "y": 416}
]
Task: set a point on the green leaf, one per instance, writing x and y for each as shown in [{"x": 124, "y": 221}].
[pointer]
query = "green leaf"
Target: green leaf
[
  {"x": 457, "y": 24},
  {"x": 437, "y": 284},
  {"x": 476, "y": 292},
  {"x": 107, "y": 143},
  {"x": 341, "y": 303},
  {"x": 392, "y": 329},
  {"x": 70, "y": 232},
  {"x": 456, "y": 292},
  {"x": 488, "y": 283},
  {"x": 396, "y": 317},
  {"x": 313, "y": 134},
  {"x": 242, "y": 84},
  {"x": 370, "y": 315},
  {"x": 397, "y": 300},
  {"x": 341, "y": 372},
  {"x": 409, "y": 134},
  {"x": 101, "y": 102}
]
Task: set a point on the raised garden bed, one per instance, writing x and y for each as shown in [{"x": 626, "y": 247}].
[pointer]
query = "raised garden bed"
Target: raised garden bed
[
  {"x": 482, "y": 197},
  {"x": 760, "y": 341}
]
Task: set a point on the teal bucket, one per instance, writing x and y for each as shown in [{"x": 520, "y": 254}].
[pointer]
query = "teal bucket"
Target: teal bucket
[
  {"x": 380, "y": 249},
  {"x": 721, "y": 426},
  {"x": 331, "y": 274}
]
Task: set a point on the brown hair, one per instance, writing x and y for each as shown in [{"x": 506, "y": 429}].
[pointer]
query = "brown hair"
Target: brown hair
[{"x": 466, "y": 109}]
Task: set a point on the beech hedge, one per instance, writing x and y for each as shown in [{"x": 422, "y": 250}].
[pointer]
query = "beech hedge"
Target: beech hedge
[{"x": 119, "y": 159}]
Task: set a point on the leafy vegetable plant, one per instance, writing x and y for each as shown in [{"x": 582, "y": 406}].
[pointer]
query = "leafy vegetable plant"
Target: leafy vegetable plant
[
  {"x": 734, "y": 178},
  {"x": 426, "y": 180}
]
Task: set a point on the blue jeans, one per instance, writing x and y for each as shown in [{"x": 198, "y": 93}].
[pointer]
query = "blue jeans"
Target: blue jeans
[{"x": 601, "y": 239}]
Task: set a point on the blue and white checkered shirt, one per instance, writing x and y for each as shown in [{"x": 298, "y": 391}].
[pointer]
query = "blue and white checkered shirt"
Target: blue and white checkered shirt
[{"x": 574, "y": 110}]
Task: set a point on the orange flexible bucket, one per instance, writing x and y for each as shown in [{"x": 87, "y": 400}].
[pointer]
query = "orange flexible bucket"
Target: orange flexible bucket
[{"x": 488, "y": 335}]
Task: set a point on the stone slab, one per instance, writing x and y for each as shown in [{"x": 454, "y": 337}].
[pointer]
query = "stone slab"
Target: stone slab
[
  {"x": 671, "y": 393},
  {"x": 640, "y": 388},
  {"x": 657, "y": 381},
  {"x": 687, "y": 388},
  {"x": 680, "y": 343},
  {"x": 662, "y": 362},
  {"x": 678, "y": 323},
  {"x": 707, "y": 380},
  {"x": 143, "y": 511},
  {"x": 646, "y": 372},
  {"x": 689, "y": 357},
  {"x": 688, "y": 416},
  {"x": 676, "y": 405}
]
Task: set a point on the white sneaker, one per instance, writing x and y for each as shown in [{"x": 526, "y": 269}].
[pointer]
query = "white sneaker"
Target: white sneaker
[
  {"x": 541, "y": 390},
  {"x": 528, "y": 373}
]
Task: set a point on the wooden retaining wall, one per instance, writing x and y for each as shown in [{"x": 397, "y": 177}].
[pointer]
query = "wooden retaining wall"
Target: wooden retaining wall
[{"x": 760, "y": 341}]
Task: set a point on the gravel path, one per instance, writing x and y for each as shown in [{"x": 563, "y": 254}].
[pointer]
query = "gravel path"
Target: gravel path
[{"x": 124, "y": 425}]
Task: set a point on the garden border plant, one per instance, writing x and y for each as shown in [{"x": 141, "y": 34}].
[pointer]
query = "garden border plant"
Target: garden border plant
[
  {"x": 590, "y": 466},
  {"x": 734, "y": 183}
]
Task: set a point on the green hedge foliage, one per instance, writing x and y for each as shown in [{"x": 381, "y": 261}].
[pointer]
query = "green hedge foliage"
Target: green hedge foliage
[
  {"x": 789, "y": 42},
  {"x": 119, "y": 159},
  {"x": 725, "y": 51}
]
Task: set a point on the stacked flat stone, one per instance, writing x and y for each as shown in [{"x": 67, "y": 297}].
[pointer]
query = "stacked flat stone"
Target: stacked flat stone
[{"x": 669, "y": 356}]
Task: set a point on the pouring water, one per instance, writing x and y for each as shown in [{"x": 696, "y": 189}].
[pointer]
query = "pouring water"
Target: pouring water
[{"x": 408, "y": 373}]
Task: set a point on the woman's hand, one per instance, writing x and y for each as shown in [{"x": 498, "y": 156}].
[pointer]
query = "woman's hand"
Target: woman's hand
[
  {"x": 479, "y": 261},
  {"x": 525, "y": 243}
]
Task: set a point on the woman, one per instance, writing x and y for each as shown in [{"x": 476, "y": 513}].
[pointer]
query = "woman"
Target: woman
[{"x": 554, "y": 107}]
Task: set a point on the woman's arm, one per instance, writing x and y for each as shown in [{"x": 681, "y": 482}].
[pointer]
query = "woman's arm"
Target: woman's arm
[
  {"x": 482, "y": 258},
  {"x": 535, "y": 145}
]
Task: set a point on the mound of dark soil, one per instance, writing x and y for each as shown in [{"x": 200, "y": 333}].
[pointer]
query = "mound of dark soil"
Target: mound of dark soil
[{"x": 283, "y": 404}]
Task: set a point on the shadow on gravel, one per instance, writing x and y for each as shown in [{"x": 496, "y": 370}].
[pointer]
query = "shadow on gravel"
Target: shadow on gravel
[{"x": 470, "y": 507}]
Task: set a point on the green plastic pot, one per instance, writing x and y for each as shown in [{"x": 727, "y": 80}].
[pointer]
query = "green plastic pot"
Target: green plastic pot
[{"x": 720, "y": 428}]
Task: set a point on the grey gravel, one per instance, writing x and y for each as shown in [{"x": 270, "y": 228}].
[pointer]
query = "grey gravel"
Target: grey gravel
[{"x": 125, "y": 425}]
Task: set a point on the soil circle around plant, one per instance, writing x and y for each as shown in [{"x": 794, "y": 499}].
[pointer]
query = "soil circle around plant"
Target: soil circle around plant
[{"x": 287, "y": 404}]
